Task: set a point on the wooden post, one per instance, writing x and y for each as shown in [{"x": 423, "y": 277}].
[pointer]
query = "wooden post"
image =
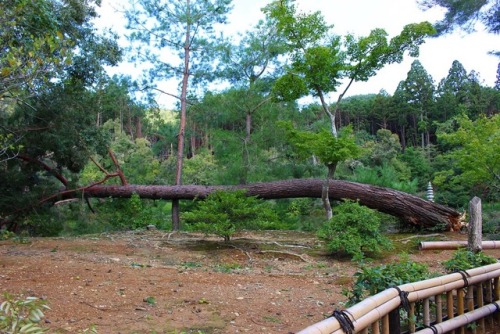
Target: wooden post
[
  {"x": 394, "y": 322},
  {"x": 475, "y": 226}
]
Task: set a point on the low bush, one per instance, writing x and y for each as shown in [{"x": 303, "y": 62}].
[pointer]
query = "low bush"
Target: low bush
[
  {"x": 372, "y": 280},
  {"x": 464, "y": 259},
  {"x": 355, "y": 230}
]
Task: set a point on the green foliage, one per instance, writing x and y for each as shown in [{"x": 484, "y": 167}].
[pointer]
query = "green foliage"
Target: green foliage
[
  {"x": 372, "y": 280},
  {"x": 224, "y": 213},
  {"x": 21, "y": 315},
  {"x": 355, "y": 230},
  {"x": 200, "y": 169},
  {"x": 44, "y": 224},
  {"x": 132, "y": 213},
  {"x": 416, "y": 159},
  {"x": 329, "y": 149},
  {"x": 385, "y": 175},
  {"x": 6, "y": 235},
  {"x": 320, "y": 61},
  {"x": 475, "y": 146},
  {"x": 491, "y": 221},
  {"x": 463, "y": 259}
]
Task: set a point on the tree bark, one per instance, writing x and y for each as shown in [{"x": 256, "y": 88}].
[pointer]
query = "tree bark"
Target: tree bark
[{"x": 411, "y": 209}]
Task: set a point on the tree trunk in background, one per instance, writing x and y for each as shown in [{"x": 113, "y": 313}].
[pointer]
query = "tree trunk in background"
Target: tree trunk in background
[
  {"x": 411, "y": 209},
  {"x": 182, "y": 126}
]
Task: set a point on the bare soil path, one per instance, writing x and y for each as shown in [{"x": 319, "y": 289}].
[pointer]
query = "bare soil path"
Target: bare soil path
[{"x": 157, "y": 282}]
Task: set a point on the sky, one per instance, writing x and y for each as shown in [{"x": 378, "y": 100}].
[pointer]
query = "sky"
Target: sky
[{"x": 356, "y": 17}]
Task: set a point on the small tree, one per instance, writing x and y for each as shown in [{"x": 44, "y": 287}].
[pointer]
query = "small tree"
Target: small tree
[
  {"x": 329, "y": 149},
  {"x": 226, "y": 212},
  {"x": 355, "y": 230}
]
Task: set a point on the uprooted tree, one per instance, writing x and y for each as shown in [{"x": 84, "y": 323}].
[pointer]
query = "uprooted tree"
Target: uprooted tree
[{"x": 411, "y": 209}]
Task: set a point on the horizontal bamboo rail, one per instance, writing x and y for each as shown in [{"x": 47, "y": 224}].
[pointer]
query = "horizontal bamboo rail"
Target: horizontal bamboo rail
[
  {"x": 373, "y": 312},
  {"x": 463, "y": 319},
  {"x": 425, "y": 245}
]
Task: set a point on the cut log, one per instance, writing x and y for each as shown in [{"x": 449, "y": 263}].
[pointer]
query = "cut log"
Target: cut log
[{"x": 411, "y": 209}]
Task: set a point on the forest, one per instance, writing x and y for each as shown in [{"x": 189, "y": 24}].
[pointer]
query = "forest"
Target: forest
[{"x": 85, "y": 152}]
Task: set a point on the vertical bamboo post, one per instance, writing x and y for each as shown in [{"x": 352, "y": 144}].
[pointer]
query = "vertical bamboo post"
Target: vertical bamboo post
[
  {"x": 489, "y": 297},
  {"x": 394, "y": 321},
  {"x": 460, "y": 306},
  {"x": 412, "y": 319},
  {"x": 475, "y": 225},
  {"x": 427, "y": 315},
  {"x": 480, "y": 303},
  {"x": 439, "y": 309},
  {"x": 385, "y": 324},
  {"x": 450, "y": 312},
  {"x": 496, "y": 293},
  {"x": 375, "y": 328},
  {"x": 469, "y": 297}
]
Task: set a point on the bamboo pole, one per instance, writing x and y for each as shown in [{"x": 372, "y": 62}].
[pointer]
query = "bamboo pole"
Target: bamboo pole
[
  {"x": 469, "y": 298},
  {"x": 439, "y": 308},
  {"x": 451, "y": 245},
  {"x": 385, "y": 324},
  {"x": 462, "y": 320},
  {"x": 427, "y": 314},
  {"x": 450, "y": 308},
  {"x": 460, "y": 307},
  {"x": 412, "y": 318},
  {"x": 375, "y": 328},
  {"x": 480, "y": 303},
  {"x": 496, "y": 293}
]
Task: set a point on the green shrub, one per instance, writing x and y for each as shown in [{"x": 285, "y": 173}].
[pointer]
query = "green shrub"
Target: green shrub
[
  {"x": 224, "y": 213},
  {"x": 464, "y": 259},
  {"x": 372, "y": 280},
  {"x": 21, "y": 315},
  {"x": 355, "y": 230}
]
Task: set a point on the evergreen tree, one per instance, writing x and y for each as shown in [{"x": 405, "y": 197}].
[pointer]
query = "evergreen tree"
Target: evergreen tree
[
  {"x": 182, "y": 27},
  {"x": 419, "y": 89}
]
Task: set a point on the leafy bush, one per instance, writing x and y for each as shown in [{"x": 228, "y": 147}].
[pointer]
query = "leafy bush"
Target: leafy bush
[
  {"x": 355, "y": 230},
  {"x": 21, "y": 315},
  {"x": 225, "y": 212},
  {"x": 464, "y": 259},
  {"x": 372, "y": 280}
]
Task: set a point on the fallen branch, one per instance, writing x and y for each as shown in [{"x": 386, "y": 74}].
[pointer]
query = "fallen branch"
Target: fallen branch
[{"x": 285, "y": 253}]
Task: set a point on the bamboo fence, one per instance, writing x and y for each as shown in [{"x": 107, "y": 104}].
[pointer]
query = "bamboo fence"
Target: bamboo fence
[
  {"x": 438, "y": 305},
  {"x": 424, "y": 245}
]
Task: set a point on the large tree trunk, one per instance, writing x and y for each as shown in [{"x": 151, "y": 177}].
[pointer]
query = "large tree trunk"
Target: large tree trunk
[{"x": 411, "y": 209}]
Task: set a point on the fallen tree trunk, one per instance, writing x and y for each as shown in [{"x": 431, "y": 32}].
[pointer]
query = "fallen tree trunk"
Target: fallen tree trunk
[{"x": 411, "y": 209}]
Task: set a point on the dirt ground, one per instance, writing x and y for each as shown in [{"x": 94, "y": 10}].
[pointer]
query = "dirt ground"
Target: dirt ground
[{"x": 158, "y": 282}]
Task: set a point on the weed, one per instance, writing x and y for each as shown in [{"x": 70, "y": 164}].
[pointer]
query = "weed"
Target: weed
[
  {"x": 227, "y": 267},
  {"x": 150, "y": 300}
]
